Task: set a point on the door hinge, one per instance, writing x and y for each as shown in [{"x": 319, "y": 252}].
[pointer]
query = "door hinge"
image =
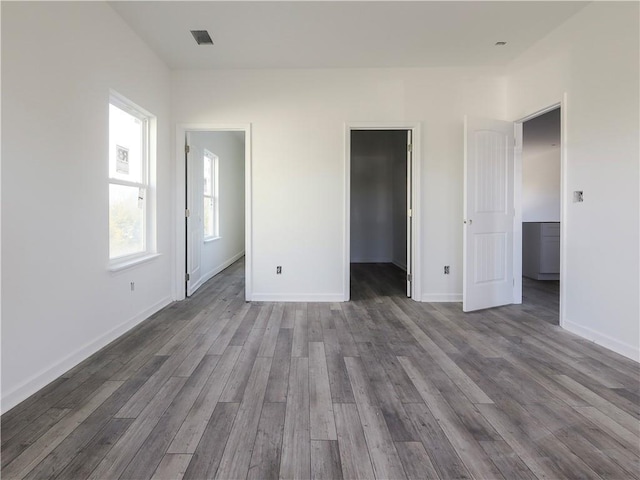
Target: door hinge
[
  {"x": 187, "y": 149},
  {"x": 410, "y": 213},
  {"x": 186, "y": 277},
  {"x": 408, "y": 277},
  {"x": 409, "y": 147},
  {"x": 187, "y": 213}
]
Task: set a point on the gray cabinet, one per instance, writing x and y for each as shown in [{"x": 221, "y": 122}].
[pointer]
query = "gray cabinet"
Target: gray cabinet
[{"x": 541, "y": 250}]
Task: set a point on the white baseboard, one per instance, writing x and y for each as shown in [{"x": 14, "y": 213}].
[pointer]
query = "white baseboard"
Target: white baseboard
[
  {"x": 371, "y": 260},
  {"x": 402, "y": 266},
  {"x": 606, "y": 341},
  {"x": 39, "y": 380},
  {"x": 297, "y": 297},
  {"x": 441, "y": 297},
  {"x": 212, "y": 273}
]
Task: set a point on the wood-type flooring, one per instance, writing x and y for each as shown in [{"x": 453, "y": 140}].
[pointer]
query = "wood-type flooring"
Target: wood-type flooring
[{"x": 379, "y": 387}]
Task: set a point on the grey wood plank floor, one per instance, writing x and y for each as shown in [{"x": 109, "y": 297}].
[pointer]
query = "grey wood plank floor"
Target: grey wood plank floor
[{"x": 379, "y": 387}]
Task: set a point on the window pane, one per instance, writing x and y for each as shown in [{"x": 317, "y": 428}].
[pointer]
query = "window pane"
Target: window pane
[
  {"x": 207, "y": 175},
  {"x": 126, "y": 145},
  {"x": 126, "y": 220},
  {"x": 208, "y": 217}
]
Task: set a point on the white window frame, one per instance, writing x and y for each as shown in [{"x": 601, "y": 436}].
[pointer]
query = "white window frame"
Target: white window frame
[
  {"x": 147, "y": 184},
  {"x": 213, "y": 194}
]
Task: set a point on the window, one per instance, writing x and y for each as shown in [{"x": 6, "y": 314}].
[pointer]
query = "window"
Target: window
[
  {"x": 210, "y": 194},
  {"x": 130, "y": 207}
]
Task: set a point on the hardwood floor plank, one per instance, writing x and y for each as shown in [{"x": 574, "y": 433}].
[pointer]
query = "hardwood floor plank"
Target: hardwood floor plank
[
  {"x": 117, "y": 459},
  {"x": 300, "y": 347},
  {"x": 396, "y": 418},
  {"x": 278, "y": 385},
  {"x": 339, "y": 383},
  {"x": 172, "y": 467},
  {"x": 33, "y": 455},
  {"x": 625, "y": 437},
  {"x": 322, "y": 425},
  {"x": 272, "y": 330},
  {"x": 191, "y": 431},
  {"x": 574, "y": 432},
  {"x": 30, "y": 434},
  {"x": 239, "y": 379},
  {"x": 237, "y": 453},
  {"x": 354, "y": 455},
  {"x": 152, "y": 450},
  {"x": 441, "y": 452},
  {"x": 617, "y": 414},
  {"x": 461, "y": 379},
  {"x": 229, "y": 330},
  {"x": 314, "y": 323},
  {"x": 360, "y": 384},
  {"x": 378, "y": 387},
  {"x": 325, "y": 460},
  {"x": 296, "y": 443},
  {"x": 288, "y": 316},
  {"x": 206, "y": 458},
  {"x": 475, "y": 459},
  {"x": 265, "y": 459},
  {"x": 507, "y": 462},
  {"x": 150, "y": 389},
  {"x": 415, "y": 460},
  {"x": 521, "y": 444},
  {"x": 385, "y": 460},
  {"x": 92, "y": 453}
]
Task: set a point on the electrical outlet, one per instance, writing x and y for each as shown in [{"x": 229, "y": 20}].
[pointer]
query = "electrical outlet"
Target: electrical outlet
[
  {"x": 446, "y": 269},
  {"x": 278, "y": 270}
]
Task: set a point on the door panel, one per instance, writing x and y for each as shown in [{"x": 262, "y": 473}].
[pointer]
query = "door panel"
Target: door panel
[
  {"x": 195, "y": 232},
  {"x": 488, "y": 214},
  {"x": 409, "y": 210}
]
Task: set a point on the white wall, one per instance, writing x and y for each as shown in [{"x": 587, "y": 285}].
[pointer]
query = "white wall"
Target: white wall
[
  {"x": 377, "y": 198},
  {"x": 298, "y": 153},
  {"x": 60, "y": 303},
  {"x": 399, "y": 256},
  {"x": 594, "y": 58},
  {"x": 222, "y": 252},
  {"x": 541, "y": 185},
  {"x": 541, "y": 159}
]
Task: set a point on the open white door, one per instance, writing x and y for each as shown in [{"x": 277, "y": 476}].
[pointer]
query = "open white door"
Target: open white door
[
  {"x": 409, "y": 211},
  {"x": 488, "y": 214},
  {"x": 195, "y": 232}
]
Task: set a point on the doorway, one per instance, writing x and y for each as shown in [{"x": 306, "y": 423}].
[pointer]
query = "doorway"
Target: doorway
[
  {"x": 214, "y": 180},
  {"x": 381, "y": 210},
  {"x": 541, "y": 213}
]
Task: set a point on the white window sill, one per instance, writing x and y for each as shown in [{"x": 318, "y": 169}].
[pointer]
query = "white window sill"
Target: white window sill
[
  {"x": 211, "y": 239},
  {"x": 118, "y": 266}
]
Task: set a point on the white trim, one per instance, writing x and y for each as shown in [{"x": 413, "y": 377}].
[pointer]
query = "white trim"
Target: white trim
[
  {"x": 625, "y": 349},
  {"x": 297, "y": 297},
  {"x": 39, "y": 380},
  {"x": 179, "y": 202},
  {"x": 216, "y": 270},
  {"x": 416, "y": 160},
  {"x": 517, "y": 219},
  {"x": 442, "y": 297}
]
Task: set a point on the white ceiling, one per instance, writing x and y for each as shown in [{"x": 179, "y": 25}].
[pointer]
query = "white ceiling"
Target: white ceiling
[{"x": 343, "y": 34}]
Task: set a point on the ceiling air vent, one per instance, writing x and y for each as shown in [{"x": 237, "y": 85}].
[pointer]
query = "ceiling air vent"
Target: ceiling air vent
[{"x": 202, "y": 37}]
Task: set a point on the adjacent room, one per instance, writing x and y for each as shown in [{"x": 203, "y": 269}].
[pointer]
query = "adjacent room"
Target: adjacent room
[{"x": 260, "y": 239}]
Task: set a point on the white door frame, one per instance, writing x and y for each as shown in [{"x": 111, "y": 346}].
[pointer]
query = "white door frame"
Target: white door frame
[
  {"x": 180, "y": 249},
  {"x": 517, "y": 192},
  {"x": 415, "y": 128}
]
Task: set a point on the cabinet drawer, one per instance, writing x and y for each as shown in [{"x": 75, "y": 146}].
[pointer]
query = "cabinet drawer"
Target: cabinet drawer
[{"x": 550, "y": 229}]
